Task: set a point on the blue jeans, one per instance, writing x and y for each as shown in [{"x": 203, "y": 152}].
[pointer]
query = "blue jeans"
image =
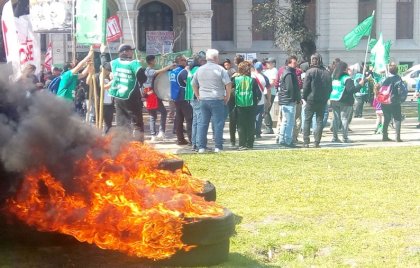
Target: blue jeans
[
  {"x": 196, "y": 121},
  {"x": 287, "y": 123},
  {"x": 258, "y": 119},
  {"x": 214, "y": 110}
]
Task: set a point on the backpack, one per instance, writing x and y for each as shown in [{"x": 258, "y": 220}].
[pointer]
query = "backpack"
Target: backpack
[
  {"x": 54, "y": 84},
  {"x": 141, "y": 76},
  {"x": 402, "y": 90},
  {"x": 384, "y": 94}
]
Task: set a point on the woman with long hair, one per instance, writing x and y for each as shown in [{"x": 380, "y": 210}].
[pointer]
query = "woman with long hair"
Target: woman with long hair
[{"x": 342, "y": 99}]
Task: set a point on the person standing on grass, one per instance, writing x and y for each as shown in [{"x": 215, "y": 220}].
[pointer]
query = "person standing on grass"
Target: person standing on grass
[
  {"x": 178, "y": 78},
  {"x": 271, "y": 73},
  {"x": 392, "y": 110},
  {"x": 342, "y": 99},
  {"x": 317, "y": 87},
  {"x": 289, "y": 96},
  {"x": 247, "y": 96},
  {"x": 154, "y": 103},
  {"x": 212, "y": 87}
]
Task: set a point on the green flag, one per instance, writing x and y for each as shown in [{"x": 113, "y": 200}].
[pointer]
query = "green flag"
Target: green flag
[
  {"x": 379, "y": 53},
  {"x": 387, "y": 46},
  {"x": 353, "y": 38},
  {"x": 90, "y": 21}
]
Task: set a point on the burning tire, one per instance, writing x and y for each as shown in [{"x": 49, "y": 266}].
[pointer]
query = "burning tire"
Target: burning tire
[
  {"x": 211, "y": 237},
  {"x": 209, "y": 191}
]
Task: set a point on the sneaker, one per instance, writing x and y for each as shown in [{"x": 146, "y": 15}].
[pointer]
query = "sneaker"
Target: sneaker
[
  {"x": 201, "y": 151},
  {"x": 399, "y": 140},
  {"x": 336, "y": 140},
  {"x": 257, "y": 137},
  {"x": 386, "y": 139},
  {"x": 291, "y": 145},
  {"x": 194, "y": 148},
  {"x": 282, "y": 143},
  {"x": 161, "y": 136},
  {"x": 217, "y": 150},
  {"x": 347, "y": 140},
  {"x": 153, "y": 139},
  {"x": 242, "y": 148},
  {"x": 268, "y": 131},
  {"x": 317, "y": 145},
  {"x": 182, "y": 142}
]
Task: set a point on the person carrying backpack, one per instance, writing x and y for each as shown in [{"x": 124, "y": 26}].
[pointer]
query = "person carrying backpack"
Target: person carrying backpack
[
  {"x": 69, "y": 79},
  {"x": 247, "y": 96},
  {"x": 392, "y": 107}
]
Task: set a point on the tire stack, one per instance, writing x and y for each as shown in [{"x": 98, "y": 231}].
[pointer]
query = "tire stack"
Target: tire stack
[{"x": 210, "y": 235}]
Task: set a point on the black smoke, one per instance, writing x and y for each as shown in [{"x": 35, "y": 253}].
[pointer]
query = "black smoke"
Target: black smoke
[{"x": 37, "y": 129}]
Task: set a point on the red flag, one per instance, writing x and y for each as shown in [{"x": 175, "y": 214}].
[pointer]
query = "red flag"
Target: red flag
[
  {"x": 48, "y": 58},
  {"x": 113, "y": 29}
]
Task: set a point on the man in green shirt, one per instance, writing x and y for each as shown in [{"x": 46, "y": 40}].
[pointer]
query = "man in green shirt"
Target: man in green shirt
[
  {"x": 126, "y": 91},
  {"x": 70, "y": 78}
]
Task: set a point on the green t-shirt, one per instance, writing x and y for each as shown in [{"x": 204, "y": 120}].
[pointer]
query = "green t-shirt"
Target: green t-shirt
[
  {"x": 189, "y": 92},
  {"x": 124, "y": 78},
  {"x": 68, "y": 84}
]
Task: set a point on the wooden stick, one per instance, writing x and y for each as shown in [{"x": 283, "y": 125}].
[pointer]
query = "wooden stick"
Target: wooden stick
[
  {"x": 95, "y": 95},
  {"x": 101, "y": 98},
  {"x": 89, "y": 108}
]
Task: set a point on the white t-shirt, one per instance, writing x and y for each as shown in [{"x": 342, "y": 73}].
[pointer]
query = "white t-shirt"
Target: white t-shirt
[
  {"x": 107, "y": 97},
  {"x": 272, "y": 76},
  {"x": 262, "y": 84}
]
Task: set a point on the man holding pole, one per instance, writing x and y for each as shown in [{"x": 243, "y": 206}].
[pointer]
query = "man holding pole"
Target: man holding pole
[
  {"x": 69, "y": 79},
  {"x": 126, "y": 92}
]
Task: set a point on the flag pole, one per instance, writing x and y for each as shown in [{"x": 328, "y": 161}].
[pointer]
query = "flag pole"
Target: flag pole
[
  {"x": 101, "y": 75},
  {"x": 367, "y": 49}
]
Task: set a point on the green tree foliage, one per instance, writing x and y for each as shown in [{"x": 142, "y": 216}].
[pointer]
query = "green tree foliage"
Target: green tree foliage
[{"x": 287, "y": 21}]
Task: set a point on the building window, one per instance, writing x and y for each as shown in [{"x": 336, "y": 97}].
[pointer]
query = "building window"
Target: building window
[
  {"x": 222, "y": 20},
  {"x": 154, "y": 16},
  {"x": 310, "y": 15},
  {"x": 405, "y": 19},
  {"x": 366, "y": 7},
  {"x": 256, "y": 17}
]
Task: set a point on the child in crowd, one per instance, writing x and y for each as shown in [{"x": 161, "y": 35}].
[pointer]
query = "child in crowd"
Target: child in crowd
[{"x": 378, "y": 110}]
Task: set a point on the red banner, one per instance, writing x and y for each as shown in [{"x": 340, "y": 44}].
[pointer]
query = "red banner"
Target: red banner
[{"x": 113, "y": 29}]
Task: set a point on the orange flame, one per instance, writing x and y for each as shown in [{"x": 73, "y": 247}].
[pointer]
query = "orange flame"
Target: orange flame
[{"x": 125, "y": 203}]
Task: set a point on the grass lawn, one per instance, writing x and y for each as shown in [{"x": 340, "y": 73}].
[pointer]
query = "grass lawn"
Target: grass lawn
[{"x": 328, "y": 208}]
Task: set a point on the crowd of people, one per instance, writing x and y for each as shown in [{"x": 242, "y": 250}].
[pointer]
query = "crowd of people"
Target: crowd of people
[{"x": 203, "y": 89}]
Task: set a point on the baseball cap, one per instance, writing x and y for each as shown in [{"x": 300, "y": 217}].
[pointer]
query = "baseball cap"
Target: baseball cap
[
  {"x": 258, "y": 66},
  {"x": 125, "y": 47}
]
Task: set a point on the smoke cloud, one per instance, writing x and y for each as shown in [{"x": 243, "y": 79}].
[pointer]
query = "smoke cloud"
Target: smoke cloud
[{"x": 40, "y": 130}]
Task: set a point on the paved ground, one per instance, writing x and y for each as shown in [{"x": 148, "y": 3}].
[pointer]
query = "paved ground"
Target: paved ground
[{"x": 362, "y": 135}]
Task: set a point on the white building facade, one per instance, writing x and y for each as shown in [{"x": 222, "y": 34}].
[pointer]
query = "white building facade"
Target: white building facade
[{"x": 227, "y": 26}]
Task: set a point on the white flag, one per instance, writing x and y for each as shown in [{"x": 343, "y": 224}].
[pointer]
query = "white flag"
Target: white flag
[
  {"x": 10, "y": 37},
  {"x": 21, "y": 44}
]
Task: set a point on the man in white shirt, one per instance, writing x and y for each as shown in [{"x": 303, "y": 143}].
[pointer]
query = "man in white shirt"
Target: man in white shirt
[{"x": 271, "y": 73}]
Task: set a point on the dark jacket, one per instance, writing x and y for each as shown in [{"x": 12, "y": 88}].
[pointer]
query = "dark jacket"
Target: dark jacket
[
  {"x": 289, "y": 87},
  {"x": 395, "y": 94},
  {"x": 349, "y": 90},
  {"x": 317, "y": 86}
]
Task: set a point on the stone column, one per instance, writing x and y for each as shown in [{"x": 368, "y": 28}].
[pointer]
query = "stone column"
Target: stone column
[
  {"x": 200, "y": 29},
  {"x": 243, "y": 24},
  {"x": 129, "y": 26}
]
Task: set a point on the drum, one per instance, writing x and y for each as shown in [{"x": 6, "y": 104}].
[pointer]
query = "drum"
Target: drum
[{"x": 162, "y": 86}]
